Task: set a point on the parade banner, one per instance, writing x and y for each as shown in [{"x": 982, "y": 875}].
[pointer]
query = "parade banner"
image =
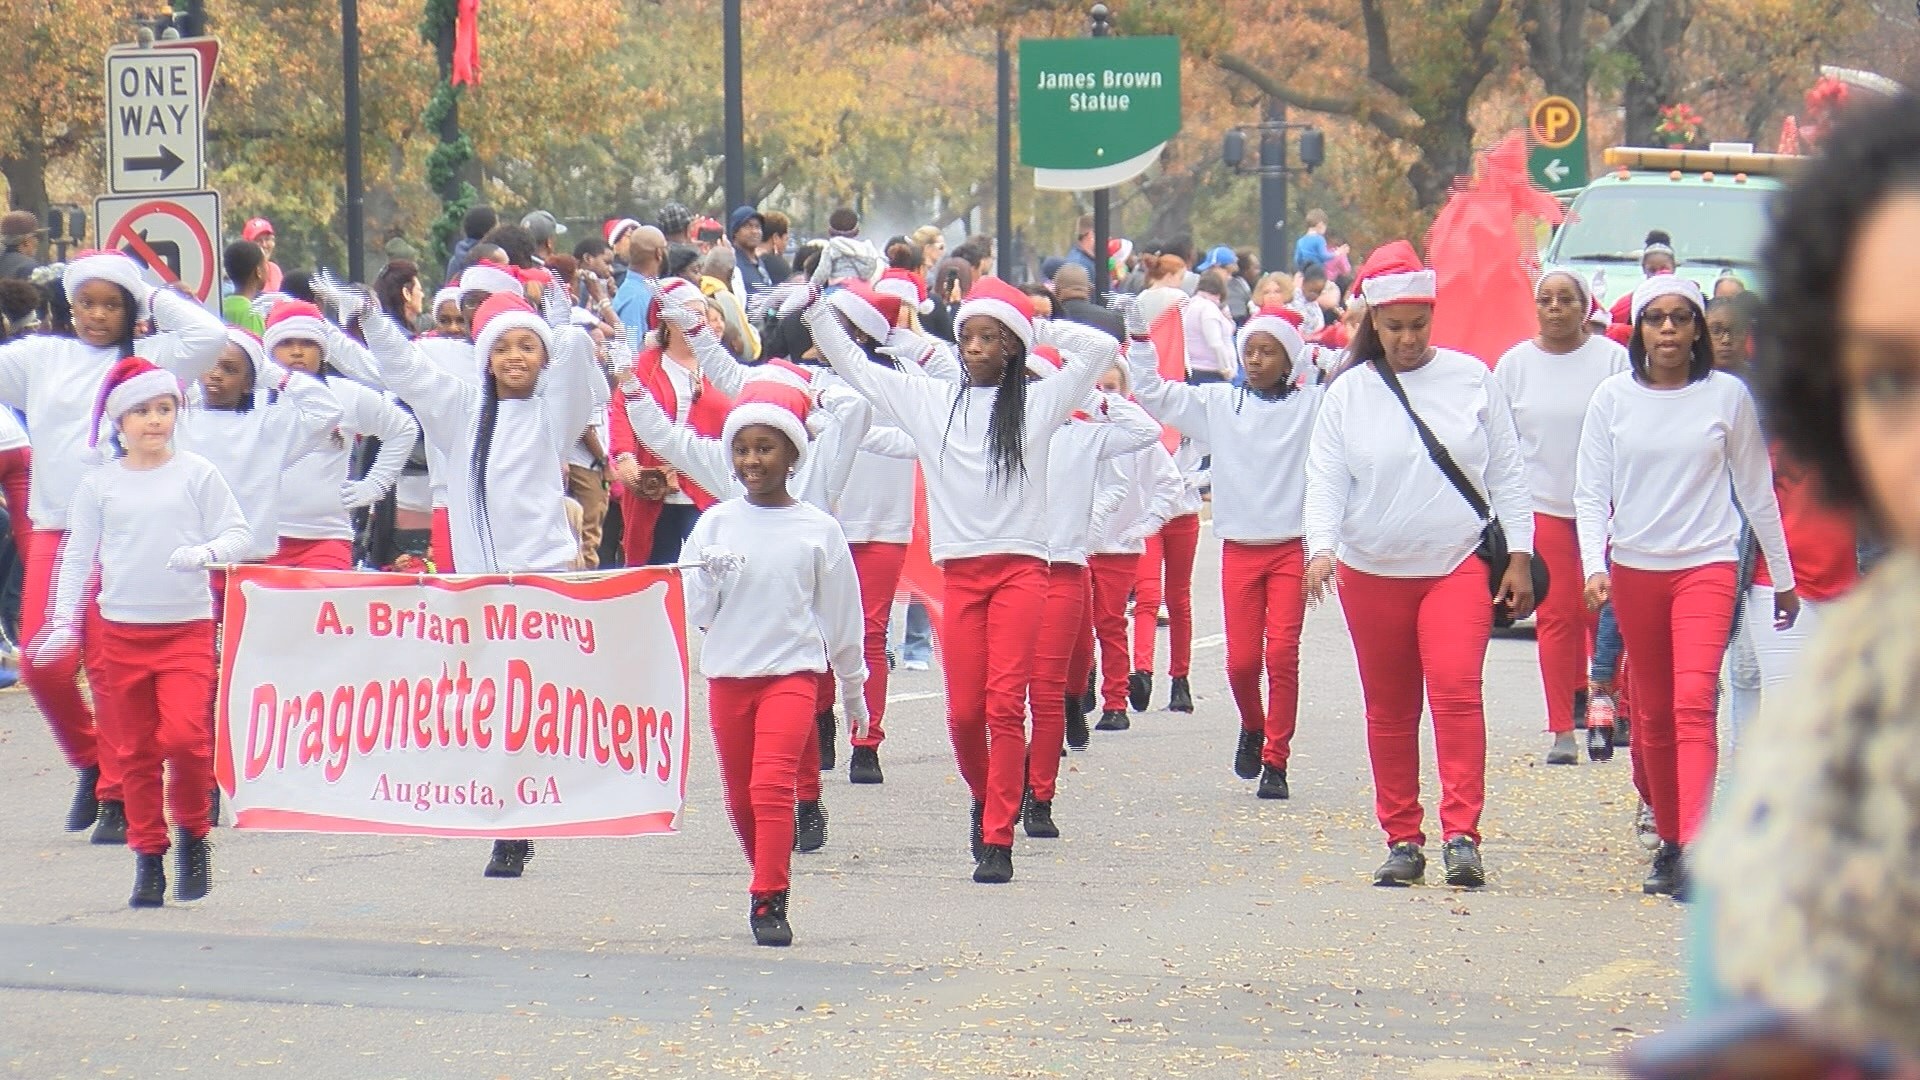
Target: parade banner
[{"x": 508, "y": 706}]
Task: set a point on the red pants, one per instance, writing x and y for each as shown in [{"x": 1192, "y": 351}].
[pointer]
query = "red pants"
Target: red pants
[
  {"x": 992, "y": 611},
  {"x": 158, "y": 683},
  {"x": 878, "y": 567},
  {"x": 1169, "y": 552},
  {"x": 1675, "y": 623},
  {"x": 1263, "y": 597},
  {"x": 313, "y": 554},
  {"x": 1564, "y": 625},
  {"x": 1414, "y": 636},
  {"x": 1062, "y": 628},
  {"x": 440, "y": 542},
  {"x": 759, "y": 732},
  {"x": 1113, "y": 577},
  {"x": 806, "y": 785},
  {"x": 15, "y": 467},
  {"x": 55, "y": 685}
]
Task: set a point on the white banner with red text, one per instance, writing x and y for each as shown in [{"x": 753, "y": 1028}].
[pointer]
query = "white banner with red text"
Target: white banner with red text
[{"x": 498, "y": 706}]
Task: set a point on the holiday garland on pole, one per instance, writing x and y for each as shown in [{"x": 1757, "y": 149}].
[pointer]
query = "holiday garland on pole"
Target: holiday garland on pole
[{"x": 451, "y": 27}]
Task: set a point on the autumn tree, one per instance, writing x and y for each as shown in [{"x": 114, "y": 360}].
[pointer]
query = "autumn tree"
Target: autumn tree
[{"x": 55, "y": 105}]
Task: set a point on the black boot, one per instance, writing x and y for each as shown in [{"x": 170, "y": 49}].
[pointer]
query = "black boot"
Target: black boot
[
  {"x": 995, "y": 865},
  {"x": 192, "y": 866},
  {"x": 809, "y": 827},
  {"x": 1140, "y": 690},
  {"x": 509, "y": 858},
  {"x": 1090, "y": 700},
  {"x": 1037, "y": 818},
  {"x": 864, "y": 766},
  {"x": 1077, "y": 734},
  {"x": 213, "y": 808},
  {"x": 111, "y": 826},
  {"x": 86, "y": 805},
  {"x": 1180, "y": 698},
  {"x": 1113, "y": 720},
  {"x": 975, "y": 845},
  {"x": 829, "y": 728},
  {"x": 149, "y": 881},
  {"x": 1246, "y": 756},
  {"x": 768, "y": 918},
  {"x": 1273, "y": 783},
  {"x": 1663, "y": 877}
]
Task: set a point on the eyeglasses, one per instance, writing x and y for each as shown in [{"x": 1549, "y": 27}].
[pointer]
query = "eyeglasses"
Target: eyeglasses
[{"x": 1676, "y": 319}]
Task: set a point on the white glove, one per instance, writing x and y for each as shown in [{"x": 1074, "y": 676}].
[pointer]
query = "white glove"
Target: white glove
[
  {"x": 57, "y": 642},
  {"x": 360, "y": 494},
  {"x": 719, "y": 562},
  {"x": 904, "y": 345},
  {"x": 853, "y": 699},
  {"x": 348, "y": 301},
  {"x": 187, "y": 560},
  {"x": 621, "y": 362},
  {"x": 686, "y": 309},
  {"x": 1127, "y": 306}
]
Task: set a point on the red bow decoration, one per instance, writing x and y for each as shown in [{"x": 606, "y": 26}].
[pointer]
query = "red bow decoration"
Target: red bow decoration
[{"x": 466, "y": 44}]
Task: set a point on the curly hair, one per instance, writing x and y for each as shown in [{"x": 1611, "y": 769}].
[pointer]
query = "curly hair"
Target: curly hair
[{"x": 1873, "y": 154}]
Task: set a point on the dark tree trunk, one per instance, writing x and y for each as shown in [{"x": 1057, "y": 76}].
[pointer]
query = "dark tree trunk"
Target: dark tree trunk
[{"x": 1652, "y": 43}]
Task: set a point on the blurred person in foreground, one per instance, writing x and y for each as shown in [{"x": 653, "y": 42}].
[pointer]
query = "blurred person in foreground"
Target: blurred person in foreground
[{"x": 1808, "y": 861}]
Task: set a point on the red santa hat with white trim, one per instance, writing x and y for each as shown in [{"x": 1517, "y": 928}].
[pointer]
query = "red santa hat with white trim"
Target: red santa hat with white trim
[
  {"x": 503, "y": 312},
  {"x": 103, "y": 266},
  {"x": 871, "y": 311},
  {"x": 617, "y": 230},
  {"x": 777, "y": 395},
  {"x": 490, "y": 279},
  {"x": 1394, "y": 274},
  {"x": 1002, "y": 303},
  {"x": 907, "y": 287},
  {"x": 1044, "y": 361},
  {"x": 295, "y": 320},
  {"x": 1281, "y": 323},
  {"x": 132, "y": 381}
]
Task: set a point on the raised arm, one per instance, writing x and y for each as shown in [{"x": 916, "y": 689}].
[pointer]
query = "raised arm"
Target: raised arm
[
  {"x": 366, "y": 412},
  {"x": 349, "y": 357},
  {"x": 1088, "y": 353},
  {"x": 1172, "y": 403},
  {"x": 190, "y": 338},
  {"x": 445, "y": 406},
  {"x": 1127, "y": 428},
  {"x": 845, "y": 419},
  {"x": 900, "y": 396},
  {"x": 308, "y": 408},
  {"x": 704, "y": 460},
  {"x": 567, "y": 390}
]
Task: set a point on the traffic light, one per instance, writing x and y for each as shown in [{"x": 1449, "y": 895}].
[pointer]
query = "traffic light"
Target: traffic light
[
  {"x": 1233, "y": 148},
  {"x": 1313, "y": 148}
]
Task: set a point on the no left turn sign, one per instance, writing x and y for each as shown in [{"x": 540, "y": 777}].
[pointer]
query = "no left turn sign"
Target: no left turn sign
[{"x": 176, "y": 237}]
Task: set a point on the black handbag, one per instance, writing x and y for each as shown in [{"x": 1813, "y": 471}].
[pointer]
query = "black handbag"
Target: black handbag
[{"x": 1493, "y": 536}]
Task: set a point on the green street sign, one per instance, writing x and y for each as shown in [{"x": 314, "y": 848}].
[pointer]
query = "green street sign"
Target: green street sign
[
  {"x": 1558, "y": 133},
  {"x": 1094, "y": 112}
]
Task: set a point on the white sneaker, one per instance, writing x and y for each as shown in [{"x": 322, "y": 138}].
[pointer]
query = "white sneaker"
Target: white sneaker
[{"x": 915, "y": 665}]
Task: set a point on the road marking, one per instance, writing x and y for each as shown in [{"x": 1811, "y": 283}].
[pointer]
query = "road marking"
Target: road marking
[
  {"x": 1609, "y": 979},
  {"x": 924, "y": 695}
]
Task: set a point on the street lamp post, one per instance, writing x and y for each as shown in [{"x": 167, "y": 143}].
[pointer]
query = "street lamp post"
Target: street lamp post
[
  {"x": 350, "y": 100},
  {"x": 1102, "y": 25},
  {"x": 735, "y": 122},
  {"x": 1003, "y": 157}
]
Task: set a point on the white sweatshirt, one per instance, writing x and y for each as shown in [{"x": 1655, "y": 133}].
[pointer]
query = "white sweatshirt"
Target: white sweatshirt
[
  {"x": 12, "y": 435},
  {"x": 1374, "y": 497},
  {"x": 1549, "y": 394},
  {"x": 125, "y": 525},
  {"x": 1194, "y": 476},
  {"x": 972, "y": 512},
  {"x": 1082, "y": 451},
  {"x": 793, "y": 606},
  {"x": 455, "y": 357},
  {"x": 56, "y": 381},
  {"x": 255, "y": 451},
  {"x": 524, "y": 526},
  {"x": 310, "y": 505},
  {"x": 1259, "y": 446},
  {"x": 1150, "y": 496},
  {"x": 1653, "y": 472}
]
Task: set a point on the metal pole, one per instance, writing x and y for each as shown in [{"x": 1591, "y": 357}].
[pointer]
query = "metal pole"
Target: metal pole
[
  {"x": 1003, "y": 160},
  {"x": 1102, "y": 210},
  {"x": 356, "y": 193},
  {"x": 1274, "y": 253},
  {"x": 735, "y": 123},
  {"x": 196, "y": 18}
]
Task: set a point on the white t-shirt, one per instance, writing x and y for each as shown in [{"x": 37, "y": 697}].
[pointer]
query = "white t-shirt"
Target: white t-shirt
[
  {"x": 1549, "y": 394},
  {"x": 793, "y": 606}
]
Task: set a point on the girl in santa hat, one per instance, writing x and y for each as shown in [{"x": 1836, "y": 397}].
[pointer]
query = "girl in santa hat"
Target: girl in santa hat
[
  {"x": 779, "y": 600},
  {"x": 316, "y": 522},
  {"x": 55, "y": 381},
  {"x": 981, "y": 446},
  {"x": 254, "y": 419},
  {"x": 1079, "y": 476},
  {"x": 147, "y": 525},
  {"x": 1258, "y": 434},
  {"x": 504, "y": 438},
  {"x": 1656, "y": 449},
  {"x": 1384, "y": 519},
  {"x": 1549, "y": 379}
]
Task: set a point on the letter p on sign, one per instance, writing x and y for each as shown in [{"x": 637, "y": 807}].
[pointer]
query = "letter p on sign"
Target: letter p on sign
[{"x": 1555, "y": 122}]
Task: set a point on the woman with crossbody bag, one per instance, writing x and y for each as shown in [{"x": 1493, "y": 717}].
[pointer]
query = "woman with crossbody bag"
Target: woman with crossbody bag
[{"x": 1413, "y": 551}]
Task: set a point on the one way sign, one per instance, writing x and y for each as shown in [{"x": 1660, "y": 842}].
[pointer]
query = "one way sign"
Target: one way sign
[{"x": 156, "y": 123}]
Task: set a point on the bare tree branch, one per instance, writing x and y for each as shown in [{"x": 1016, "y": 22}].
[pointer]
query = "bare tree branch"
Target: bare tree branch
[
  {"x": 1391, "y": 124},
  {"x": 1622, "y": 26},
  {"x": 1380, "y": 66}
]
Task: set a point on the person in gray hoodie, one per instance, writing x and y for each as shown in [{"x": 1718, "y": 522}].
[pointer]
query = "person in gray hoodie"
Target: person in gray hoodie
[{"x": 847, "y": 254}]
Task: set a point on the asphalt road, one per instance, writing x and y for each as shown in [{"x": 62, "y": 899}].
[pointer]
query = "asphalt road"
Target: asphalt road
[{"x": 1179, "y": 928}]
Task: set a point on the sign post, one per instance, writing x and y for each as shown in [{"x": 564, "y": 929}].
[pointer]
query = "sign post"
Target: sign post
[
  {"x": 156, "y": 123},
  {"x": 1558, "y": 160}
]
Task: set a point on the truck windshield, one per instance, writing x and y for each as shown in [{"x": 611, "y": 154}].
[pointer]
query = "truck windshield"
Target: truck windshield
[{"x": 1716, "y": 225}]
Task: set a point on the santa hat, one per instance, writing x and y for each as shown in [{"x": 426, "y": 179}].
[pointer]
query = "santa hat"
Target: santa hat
[
  {"x": 871, "y": 312},
  {"x": 1044, "y": 360},
  {"x": 1393, "y": 274},
  {"x": 490, "y": 279},
  {"x": 617, "y": 230},
  {"x": 1002, "y": 303},
  {"x": 657, "y": 306},
  {"x": 503, "y": 312},
  {"x": 256, "y": 350},
  {"x": 1660, "y": 285},
  {"x": 295, "y": 320},
  {"x": 102, "y": 266},
  {"x": 1119, "y": 249},
  {"x": 448, "y": 295},
  {"x": 906, "y": 286},
  {"x": 130, "y": 382},
  {"x": 1281, "y": 323},
  {"x": 774, "y": 395}
]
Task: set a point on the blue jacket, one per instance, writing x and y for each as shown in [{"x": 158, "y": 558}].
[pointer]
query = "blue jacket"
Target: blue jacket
[
  {"x": 630, "y": 301},
  {"x": 1309, "y": 249}
]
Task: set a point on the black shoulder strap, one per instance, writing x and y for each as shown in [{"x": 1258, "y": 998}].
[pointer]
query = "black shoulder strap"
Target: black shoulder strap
[{"x": 1434, "y": 450}]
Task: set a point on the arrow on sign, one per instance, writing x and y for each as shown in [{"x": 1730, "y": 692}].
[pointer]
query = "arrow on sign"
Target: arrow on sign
[
  {"x": 1556, "y": 171},
  {"x": 166, "y": 163}
]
